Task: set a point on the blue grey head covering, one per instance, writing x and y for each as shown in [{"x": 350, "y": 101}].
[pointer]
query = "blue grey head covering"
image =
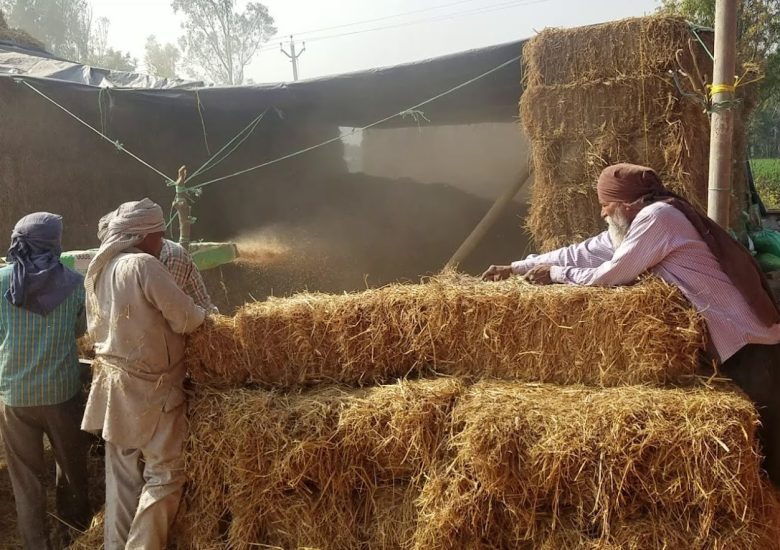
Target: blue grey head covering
[{"x": 39, "y": 282}]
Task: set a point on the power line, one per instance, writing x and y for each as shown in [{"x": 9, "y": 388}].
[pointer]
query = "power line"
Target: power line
[
  {"x": 383, "y": 18},
  {"x": 477, "y": 11},
  {"x": 472, "y": 12},
  {"x": 441, "y": 17}
]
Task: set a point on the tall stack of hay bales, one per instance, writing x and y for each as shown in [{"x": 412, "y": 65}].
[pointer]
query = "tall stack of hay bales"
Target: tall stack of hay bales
[{"x": 628, "y": 91}]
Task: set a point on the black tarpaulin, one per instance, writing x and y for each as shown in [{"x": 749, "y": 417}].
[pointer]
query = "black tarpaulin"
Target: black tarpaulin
[{"x": 354, "y": 99}]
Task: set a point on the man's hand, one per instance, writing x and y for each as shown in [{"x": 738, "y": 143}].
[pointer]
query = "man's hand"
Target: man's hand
[
  {"x": 539, "y": 275},
  {"x": 497, "y": 273}
]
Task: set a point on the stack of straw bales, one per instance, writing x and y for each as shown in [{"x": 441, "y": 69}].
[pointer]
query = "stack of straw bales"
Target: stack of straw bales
[
  {"x": 443, "y": 464},
  {"x": 605, "y": 94},
  {"x": 296, "y": 443}
]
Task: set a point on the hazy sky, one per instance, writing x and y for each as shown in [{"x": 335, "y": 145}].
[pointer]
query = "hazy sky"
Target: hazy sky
[{"x": 435, "y": 27}]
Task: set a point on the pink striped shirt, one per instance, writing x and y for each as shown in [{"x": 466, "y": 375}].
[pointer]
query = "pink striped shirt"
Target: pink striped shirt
[{"x": 662, "y": 240}]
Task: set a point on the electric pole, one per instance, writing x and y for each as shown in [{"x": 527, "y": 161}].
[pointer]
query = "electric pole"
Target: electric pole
[
  {"x": 722, "y": 123},
  {"x": 293, "y": 56}
]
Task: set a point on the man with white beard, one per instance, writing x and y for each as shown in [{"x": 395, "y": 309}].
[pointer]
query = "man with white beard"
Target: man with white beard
[{"x": 650, "y": 229}]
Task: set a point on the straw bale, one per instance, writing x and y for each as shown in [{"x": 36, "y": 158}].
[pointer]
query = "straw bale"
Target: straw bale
[
  {"x": 205, "y": 513},
  {"x": 604, "y": 94},
  {"x": 395, "y": 517},
  {"x": 456, "y": 512},
  {"x": 261, "y": 463},
  {"x": 328, "y": 519},
  {"x": 435, "y": 464},
  {"x": 592, "y": 108},
  {"x": 214, "y": 354},
  {"x": 609, "y": 454},
  {"x": 564, "y": 334},
  {"x": 565, "y": 207},
  {"x": 351, "y": 338},
  {"x": 564, "y": 56},
  {"x": 496, "y": 465},
  {"x": 332, "y": 435},
  {"x": 393, "y": 523},
  {"x": 754, "y": 531},
  {"x": 382, "y": 517},
  {"x": 401, "y": 428},
  {"x": 460, "y": 326}
]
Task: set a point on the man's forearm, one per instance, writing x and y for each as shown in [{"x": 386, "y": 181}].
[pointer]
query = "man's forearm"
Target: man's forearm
[
  {"x": 556, "y": 257},
  {"x": 521, "y": 267},
  {"x": 589, "y": 253}
]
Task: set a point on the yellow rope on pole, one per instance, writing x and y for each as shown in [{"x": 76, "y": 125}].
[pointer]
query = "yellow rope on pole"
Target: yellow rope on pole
[
  {"x": 721, "y": 88},
  {"x": 738, "y": 81}
]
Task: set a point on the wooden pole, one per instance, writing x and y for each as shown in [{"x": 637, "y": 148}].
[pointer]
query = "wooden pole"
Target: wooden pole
[
  {"x": 488, "y": 220},
  {"x": 182, "y": 206},
  {"x": 722, "y": 124}
]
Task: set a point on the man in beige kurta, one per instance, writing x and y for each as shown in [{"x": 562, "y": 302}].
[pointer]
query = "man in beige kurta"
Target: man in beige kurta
[{"x": 137, "y": 316}]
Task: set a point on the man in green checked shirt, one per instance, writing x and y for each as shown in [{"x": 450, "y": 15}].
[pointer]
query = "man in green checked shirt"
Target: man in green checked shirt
[{"x": 41, "y": 315}]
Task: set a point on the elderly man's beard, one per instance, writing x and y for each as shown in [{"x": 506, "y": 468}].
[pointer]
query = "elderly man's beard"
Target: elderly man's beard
[{"x": 618, "y": 226}]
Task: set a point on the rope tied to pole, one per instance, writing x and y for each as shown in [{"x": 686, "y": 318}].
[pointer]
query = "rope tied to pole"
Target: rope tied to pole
[{"x": 721, "y": 88}]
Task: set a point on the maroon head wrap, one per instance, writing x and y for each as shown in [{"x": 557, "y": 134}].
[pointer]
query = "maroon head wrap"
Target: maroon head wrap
[
  {"x": 627, "y": 183},
  {"x": 630, "y": 182}
]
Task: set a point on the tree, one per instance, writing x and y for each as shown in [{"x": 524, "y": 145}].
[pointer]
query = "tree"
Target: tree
[
  {"x": 765, "y": 131},
  {"x": 67, "y": 29},
  {"x": 117, "y": 60},
  {"x": 219, "y": 42},
  {"x": 161, "y": 59},
  {"x": 64, "y": 26},
  {"x": 98, "y": 41},
  {"x": 758, "y": 31},
  {"x": 100, "y": 54},
  {"x": 758, "y": 42}
]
